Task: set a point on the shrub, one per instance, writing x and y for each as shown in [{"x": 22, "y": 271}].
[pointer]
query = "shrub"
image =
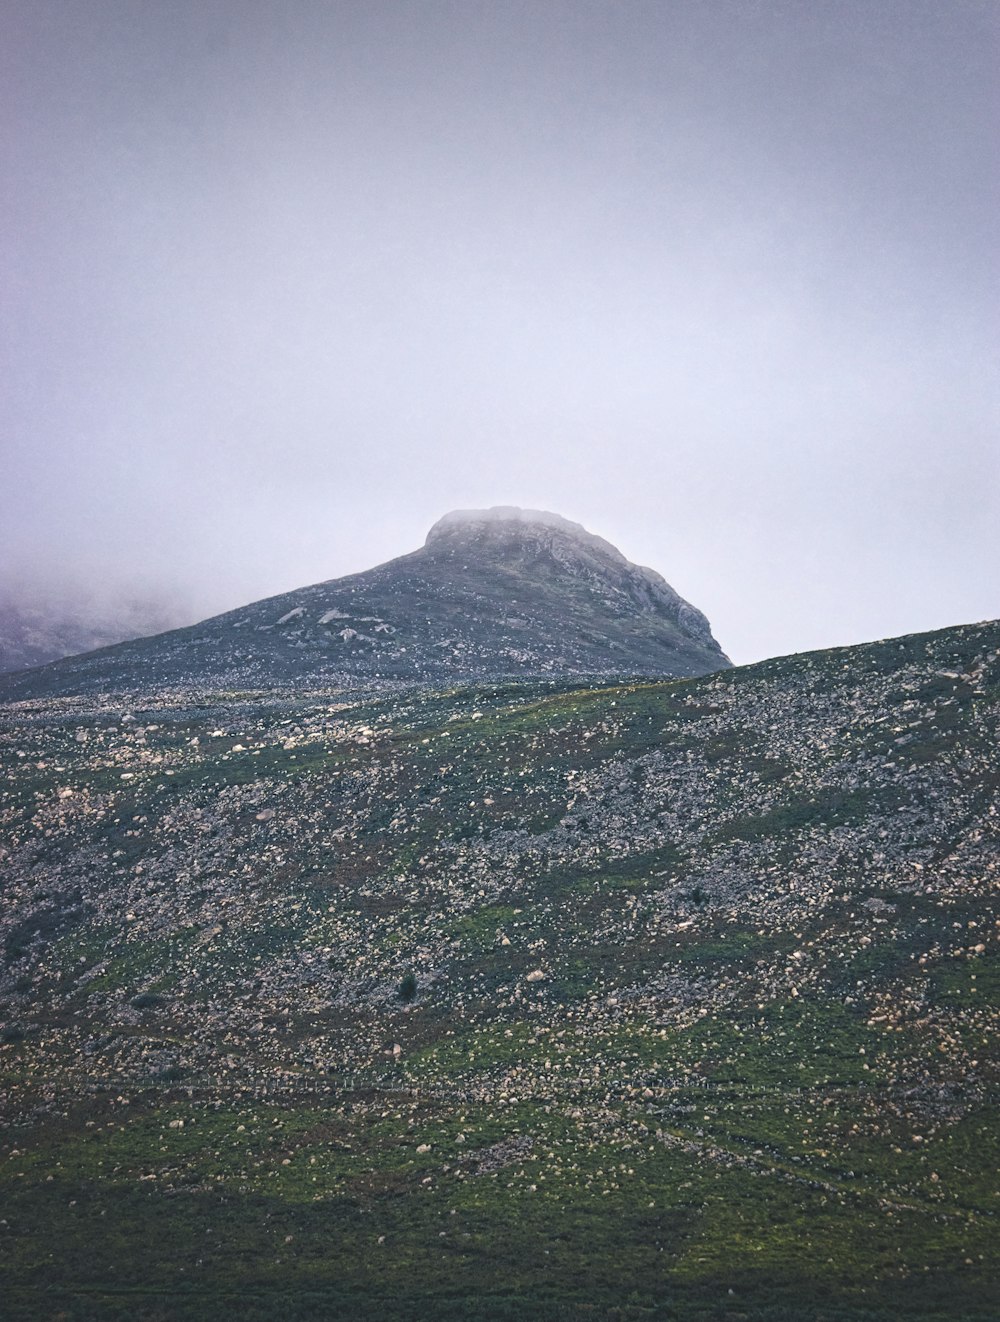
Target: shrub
[{"x": 408, "y": 987}]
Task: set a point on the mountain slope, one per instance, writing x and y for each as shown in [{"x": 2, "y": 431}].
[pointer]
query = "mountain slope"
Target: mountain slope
[
  {"x": 671, "y": 999},
  {"x": 493, "y": 593}
]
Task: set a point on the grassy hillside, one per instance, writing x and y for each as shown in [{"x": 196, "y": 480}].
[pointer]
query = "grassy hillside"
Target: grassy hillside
[{"x": 672, "y": 999}]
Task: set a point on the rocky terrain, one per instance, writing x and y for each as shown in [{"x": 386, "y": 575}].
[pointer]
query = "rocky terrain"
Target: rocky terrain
[
  {"x": 493, "y": 594},
  {"x": 673, "y": 998}
]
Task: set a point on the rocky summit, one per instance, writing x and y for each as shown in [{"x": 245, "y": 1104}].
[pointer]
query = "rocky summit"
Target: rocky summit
[
  {"x": 547, "y": 1001},
  {"x": 493, "y": 594}
]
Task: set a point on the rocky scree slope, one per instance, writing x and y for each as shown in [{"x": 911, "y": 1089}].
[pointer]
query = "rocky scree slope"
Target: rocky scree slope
[
  {"x": 493, "y": 593},
  {"x": 679, "y": 990}
]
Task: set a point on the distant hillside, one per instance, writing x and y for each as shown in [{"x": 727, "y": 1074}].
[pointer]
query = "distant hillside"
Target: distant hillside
[
  {"x": 36, "y": 628},
  {"x": 660, "y": 1000},
  {"x": 493, "y": 594}
]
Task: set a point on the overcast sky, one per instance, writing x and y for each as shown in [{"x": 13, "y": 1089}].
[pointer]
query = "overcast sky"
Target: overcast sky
[{"x": 285, "y": 280}]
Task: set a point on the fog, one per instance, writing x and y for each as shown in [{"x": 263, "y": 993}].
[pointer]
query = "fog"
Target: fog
[{"x": 284, "y": 283}]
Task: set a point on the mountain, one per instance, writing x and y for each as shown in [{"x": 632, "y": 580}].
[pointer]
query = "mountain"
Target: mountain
[
  {"x": 492, "y": 594},
  {"x": 673, "y": 999},
  {"x": 38, "y": 627}
]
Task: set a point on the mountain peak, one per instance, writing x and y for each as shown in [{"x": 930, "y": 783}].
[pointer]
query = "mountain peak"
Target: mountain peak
[
  {"x": 493, "y": 594},
  {"x": 512, "y": 526},
  {"x": 504, "y": 514}
]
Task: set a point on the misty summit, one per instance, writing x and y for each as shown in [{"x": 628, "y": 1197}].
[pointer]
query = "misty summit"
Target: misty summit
[{"x": 492, "y": 594}]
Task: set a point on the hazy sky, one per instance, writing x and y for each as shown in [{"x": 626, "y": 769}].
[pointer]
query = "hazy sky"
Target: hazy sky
[{"x": 285, "y": 280}]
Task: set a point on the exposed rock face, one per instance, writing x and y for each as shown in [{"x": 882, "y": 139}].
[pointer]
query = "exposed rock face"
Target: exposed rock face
[
  {"x": 493, "y": 594},
  {"x": 547, "y": 543}
]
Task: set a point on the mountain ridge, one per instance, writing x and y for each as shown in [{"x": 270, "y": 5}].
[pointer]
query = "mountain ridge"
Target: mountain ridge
[{"x": 491, "y": 594}]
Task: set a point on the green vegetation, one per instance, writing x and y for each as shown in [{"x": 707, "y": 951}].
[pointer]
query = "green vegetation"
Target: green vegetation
[{"x": 672, "y": 1000}]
